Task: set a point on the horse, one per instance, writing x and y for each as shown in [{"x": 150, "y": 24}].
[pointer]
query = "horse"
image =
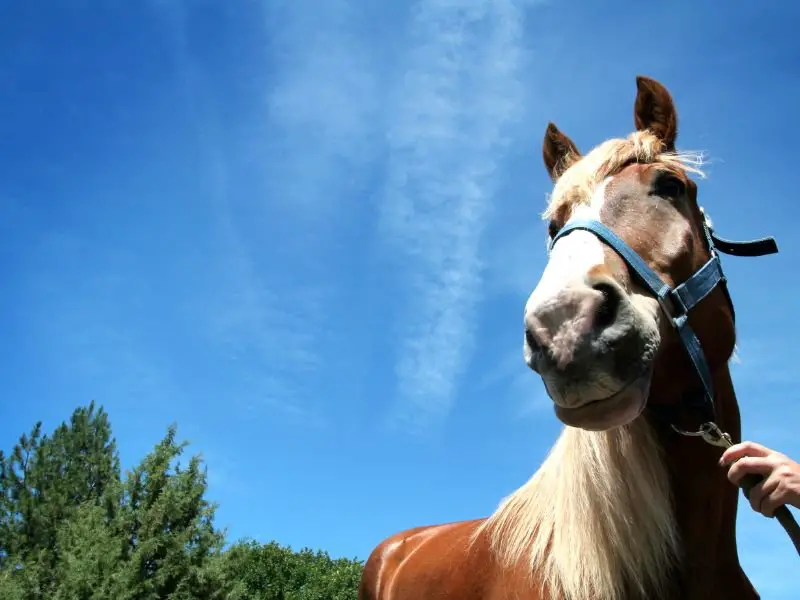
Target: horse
[{"x": 631, "y": 328}]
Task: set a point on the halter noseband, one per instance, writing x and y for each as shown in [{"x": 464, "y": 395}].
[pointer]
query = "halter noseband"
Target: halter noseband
[{"x": 678, "y": 301}]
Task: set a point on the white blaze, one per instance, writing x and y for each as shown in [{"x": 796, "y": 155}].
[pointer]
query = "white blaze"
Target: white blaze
[{"x": 572, "y": 257}]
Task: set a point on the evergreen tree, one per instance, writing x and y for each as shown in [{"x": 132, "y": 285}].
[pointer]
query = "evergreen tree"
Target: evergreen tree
[
  {"x": 167, "y": 526},
  {"x": 71, "y": 528},
  {"x": 90, "y": 554},
  {"x": 43, "y": 481}
]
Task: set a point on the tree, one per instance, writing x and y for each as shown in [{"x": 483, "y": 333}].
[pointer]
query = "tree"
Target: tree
[
  {"x": 167, "y": 526},
  {"x": 72, "y": 528},
  {"x": 274, "y": 572},
  {"x": 43, "y": 481},
  {"x": 90, "y": 555}
]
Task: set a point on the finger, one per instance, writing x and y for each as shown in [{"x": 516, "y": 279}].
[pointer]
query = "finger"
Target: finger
[
  {"x": 741, "y": 450},
  {"x": 771, "y": 497},
  {"x": 771, "y": 503},
  {"x": 758, "y": 465},
  {"x": 756, "y": 495}
]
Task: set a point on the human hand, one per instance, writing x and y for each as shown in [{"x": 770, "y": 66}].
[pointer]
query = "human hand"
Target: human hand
[{"x": 781, "y": 483}]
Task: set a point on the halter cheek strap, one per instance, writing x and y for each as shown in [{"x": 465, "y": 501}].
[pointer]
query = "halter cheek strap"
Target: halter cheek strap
[{"x": 678, "y": 301}]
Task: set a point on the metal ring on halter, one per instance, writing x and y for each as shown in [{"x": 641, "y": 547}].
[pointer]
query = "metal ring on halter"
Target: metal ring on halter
[{"x": 711, "y": 434}]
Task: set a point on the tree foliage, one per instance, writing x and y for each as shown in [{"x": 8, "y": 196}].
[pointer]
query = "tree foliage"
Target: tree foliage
[
  {"x": 273, "y": 572},
  {"x": 72, "y": 527}
]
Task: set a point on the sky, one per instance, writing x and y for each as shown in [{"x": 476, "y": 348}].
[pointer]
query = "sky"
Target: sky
[{"x": 305, "y": 232}]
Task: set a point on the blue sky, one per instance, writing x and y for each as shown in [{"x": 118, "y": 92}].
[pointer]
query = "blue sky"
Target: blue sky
[{"x": 305, "y": 231}]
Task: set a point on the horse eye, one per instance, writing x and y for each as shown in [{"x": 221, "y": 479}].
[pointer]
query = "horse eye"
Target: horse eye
[
  {"x": 552, "y": 229},
  {"x": 668, "y": 185}
]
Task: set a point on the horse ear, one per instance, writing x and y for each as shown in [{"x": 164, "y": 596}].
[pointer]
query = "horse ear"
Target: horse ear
[
  {"x": 655, "y": 110},
  {"x": 558, "y": 151}
]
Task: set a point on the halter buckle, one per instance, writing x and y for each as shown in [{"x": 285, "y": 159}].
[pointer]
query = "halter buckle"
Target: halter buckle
[{"x": 673, "y": 306}]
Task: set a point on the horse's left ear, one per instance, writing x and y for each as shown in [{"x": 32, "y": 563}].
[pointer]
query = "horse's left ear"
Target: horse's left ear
[{"x": 655, "y": 110}]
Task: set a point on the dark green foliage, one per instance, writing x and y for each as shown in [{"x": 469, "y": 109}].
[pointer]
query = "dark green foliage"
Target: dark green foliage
[
  {"x": 43, "y": 482},
  {"x": 168, "y": 540},
  {"x": 90, "y": 556},
  {"x": 45, "y": 479},
  {"x": 73, "y": 528},
  {"x": 272, "y": 572}
]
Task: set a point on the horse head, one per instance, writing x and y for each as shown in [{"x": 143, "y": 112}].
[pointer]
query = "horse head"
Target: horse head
[{"x": 603, "y": 340}]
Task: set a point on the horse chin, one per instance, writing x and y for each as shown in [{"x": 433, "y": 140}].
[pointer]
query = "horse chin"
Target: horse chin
[{"x": 610, "y": 412}]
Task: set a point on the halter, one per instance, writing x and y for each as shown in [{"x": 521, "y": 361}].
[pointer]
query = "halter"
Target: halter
[{"x": 678, "y": 301}]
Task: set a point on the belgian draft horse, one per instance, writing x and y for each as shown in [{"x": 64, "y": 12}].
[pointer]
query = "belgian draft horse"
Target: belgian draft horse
[{"x": 623, "y": 507}]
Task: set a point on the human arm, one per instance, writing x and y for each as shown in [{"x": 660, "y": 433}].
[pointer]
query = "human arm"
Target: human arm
[{"x": 781, "y": 483}]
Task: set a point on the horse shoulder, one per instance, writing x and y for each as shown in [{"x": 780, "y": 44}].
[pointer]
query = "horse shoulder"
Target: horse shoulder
[
  {"x": 383, "y": 561},
  {"x": 439, "y": 561}
]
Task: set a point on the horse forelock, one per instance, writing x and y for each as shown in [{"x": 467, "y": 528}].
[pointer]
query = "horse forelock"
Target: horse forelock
[{"x": 578, "y": 183}]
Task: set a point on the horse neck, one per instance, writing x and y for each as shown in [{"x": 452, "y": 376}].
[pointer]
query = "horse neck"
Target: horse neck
[{"x": 705, "y": 501}]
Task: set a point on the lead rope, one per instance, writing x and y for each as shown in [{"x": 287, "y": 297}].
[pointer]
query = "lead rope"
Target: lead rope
[{"x": 712, "y": 434}]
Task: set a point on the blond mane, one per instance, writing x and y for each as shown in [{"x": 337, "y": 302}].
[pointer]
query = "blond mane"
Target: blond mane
[
  {"x": 577, "y": 183},
  {"x": 595, "y": 521}
]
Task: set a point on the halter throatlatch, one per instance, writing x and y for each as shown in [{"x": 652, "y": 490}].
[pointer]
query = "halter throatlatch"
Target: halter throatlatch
[{"x": 678, "y": 301}]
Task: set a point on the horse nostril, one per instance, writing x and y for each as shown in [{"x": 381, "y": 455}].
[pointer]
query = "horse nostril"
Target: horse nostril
[
  {"x": 532, "y": 342},
  {"x": 607, "y": 311}
]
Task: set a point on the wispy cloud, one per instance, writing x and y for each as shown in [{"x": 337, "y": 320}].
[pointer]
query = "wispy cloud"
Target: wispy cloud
[
  {"x": 267, "y": 302},
  {"x": 440, "y": 103},
  {"x": 323, "y": 107},
  {"x": 247, "y": 323},
  {"x": 453, "y": 112}
]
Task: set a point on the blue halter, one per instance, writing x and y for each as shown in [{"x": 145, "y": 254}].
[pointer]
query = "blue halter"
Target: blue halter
[{"x": 677, "y": 302}]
